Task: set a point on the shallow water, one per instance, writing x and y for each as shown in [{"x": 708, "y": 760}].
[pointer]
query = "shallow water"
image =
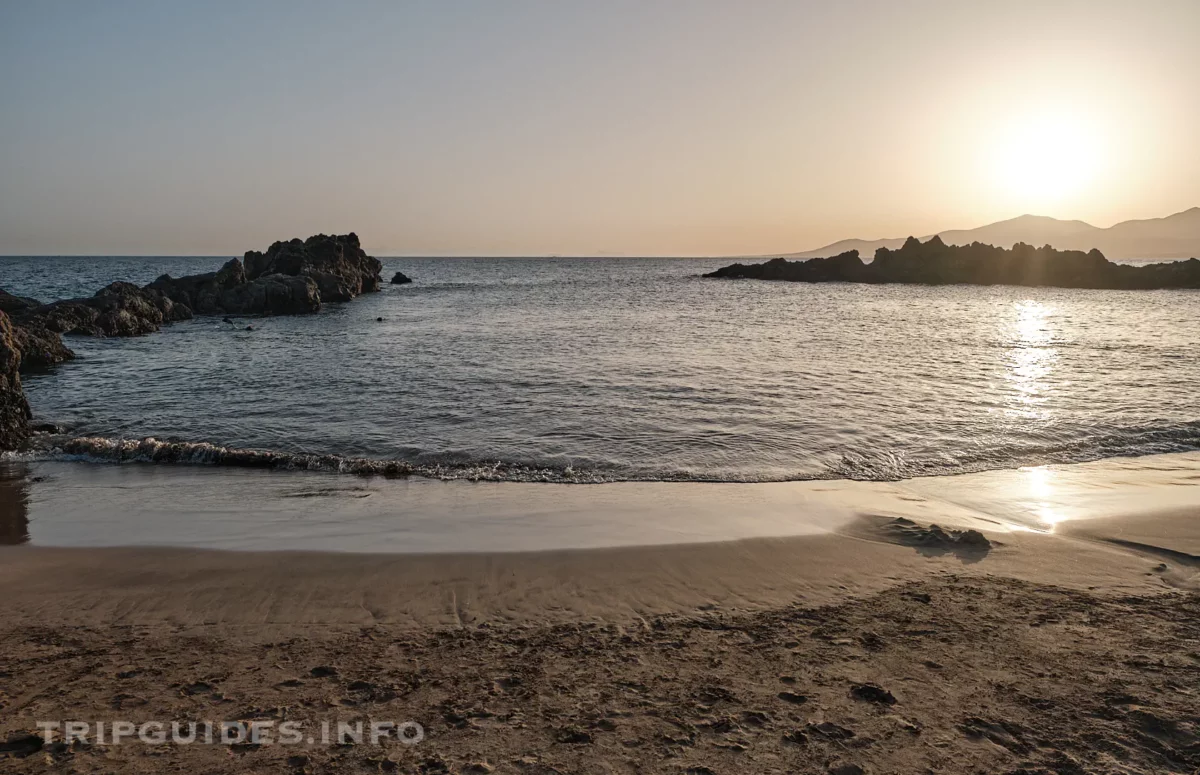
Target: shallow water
[
  {"x": 637, "y": 369},
  {"x": 54, "y": 503}
]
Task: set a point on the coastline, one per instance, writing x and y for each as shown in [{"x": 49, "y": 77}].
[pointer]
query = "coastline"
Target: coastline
[
  {"x": 733, "y": 655},
  {"x": 83, "y": 504},
  {"x": 150, "y": 586}
]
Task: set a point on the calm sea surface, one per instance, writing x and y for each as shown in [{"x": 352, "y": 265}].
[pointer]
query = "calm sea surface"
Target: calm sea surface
[{"x": 638, "y": 369}]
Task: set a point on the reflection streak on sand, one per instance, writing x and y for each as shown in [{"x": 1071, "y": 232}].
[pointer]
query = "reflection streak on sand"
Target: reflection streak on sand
[
  {"x": 70, "y": 504},
  {"x": 456, "y": 534}
]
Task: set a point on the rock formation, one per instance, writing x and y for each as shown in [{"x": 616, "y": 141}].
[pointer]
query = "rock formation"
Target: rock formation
[
  {"x": 228, "y": 292},
  {"x": 14, "y": 409},
  {"x": 291, "y": 278},
  {"x": 935, "y": 263},
  {"x": 14, "y": 305},
  {"x": 401, "y": 279},
  {"x": 118, "y": 309},
  {"x": 40, "y": 347},
  {"x": 338, "y": 265}
]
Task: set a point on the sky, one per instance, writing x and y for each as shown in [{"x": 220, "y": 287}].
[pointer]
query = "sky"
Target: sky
[{"x": 655, "y": 127}]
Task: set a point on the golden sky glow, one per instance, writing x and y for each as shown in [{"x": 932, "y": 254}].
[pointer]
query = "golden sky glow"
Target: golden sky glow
[{"x": 630, "y": 128}]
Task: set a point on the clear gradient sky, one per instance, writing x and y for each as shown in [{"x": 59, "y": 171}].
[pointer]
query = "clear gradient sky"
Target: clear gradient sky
[{"x": 655, "y": 127}]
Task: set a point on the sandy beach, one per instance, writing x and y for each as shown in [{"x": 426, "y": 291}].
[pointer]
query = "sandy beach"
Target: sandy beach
[
  {"x": 537, "y": 388},
  {"x": 856, "y": 638}
]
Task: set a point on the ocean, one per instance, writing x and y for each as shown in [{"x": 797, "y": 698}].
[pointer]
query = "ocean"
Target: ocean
[{"x": 604, "y": 370}]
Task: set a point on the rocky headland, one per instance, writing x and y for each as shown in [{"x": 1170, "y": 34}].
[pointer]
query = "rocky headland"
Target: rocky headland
[
  {"x": 290, "y": 278},
  {"x": 936, "y": 263}
]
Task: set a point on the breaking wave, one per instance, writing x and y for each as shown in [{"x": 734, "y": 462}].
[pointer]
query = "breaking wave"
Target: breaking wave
[
  {"x": 1126, "y": 442},
  {"x": 856, "y": 465}
]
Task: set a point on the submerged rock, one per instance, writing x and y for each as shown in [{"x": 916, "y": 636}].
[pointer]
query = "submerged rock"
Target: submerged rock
[
  {"x": 14, "y": 409},
  {"x": 909, "y": 533},
  {"x": 936, "y": 263},
  {"x": 401, "y": 279}
]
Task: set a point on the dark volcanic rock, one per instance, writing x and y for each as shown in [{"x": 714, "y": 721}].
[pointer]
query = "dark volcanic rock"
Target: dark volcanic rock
[
  {"x": 401, "y": 279},
  {"x": 14, "y": 409},
  {"x": 337, "y": 264},
  {"x": 118, "y": 309},
  {"x": 40, "y": 347},
  {"x": 936, "y": 263},
  {"x": 291, "y": 278},
  {"x": 202, "y": 293},
  {"x": 275, "y": 294},
  {"x": 872, "y": 693},
  {"x": 228, "y": 292},
  {"x": 964, "y": 542},
  {"x": 844, "y": 267},
  {"x": 15, "y": 305}
]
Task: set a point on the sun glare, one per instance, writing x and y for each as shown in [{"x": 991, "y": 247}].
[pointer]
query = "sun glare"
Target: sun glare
[{"x": 1042, "y": 160}]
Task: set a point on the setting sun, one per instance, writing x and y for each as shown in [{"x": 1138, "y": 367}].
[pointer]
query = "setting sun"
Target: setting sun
[
  {"x": 1043, "y": 160},
  {"x": 599, "y": 387}
]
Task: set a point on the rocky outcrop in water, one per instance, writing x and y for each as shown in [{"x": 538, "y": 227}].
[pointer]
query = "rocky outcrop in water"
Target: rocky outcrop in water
[
  {"x": 936, "y": 263},
  {"x": 40, "y": 347},
  {"x": 15, "y": 305},
  {"x": 228, "y": 292},
  {"x": 338, "y": 265},
  {"x": 14, "y": 409},
  {"x": 118, "y": 309},
  {"x": 401, "y": 279},
  {"x": 291, "y": 278}
]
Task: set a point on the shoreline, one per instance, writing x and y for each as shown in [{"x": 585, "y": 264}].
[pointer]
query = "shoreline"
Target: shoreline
[
  {"x": 55, "y": 503},
  {"x": 106, "y": 539},
  {"x": 146, "y": 586},
  {"x": 51, "y": 442},
  {"x": 869, "y": 642}
]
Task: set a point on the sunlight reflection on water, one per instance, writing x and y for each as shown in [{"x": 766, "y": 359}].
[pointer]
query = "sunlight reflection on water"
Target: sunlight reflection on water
[
  {"x": 605, "y": 370},
  {"x": 1031, "y": 360}
]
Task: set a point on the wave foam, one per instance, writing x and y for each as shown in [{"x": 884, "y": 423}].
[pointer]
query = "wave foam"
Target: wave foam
[
  {"x": 151, "y": 450},
  {"x": 880, "y": 465}
]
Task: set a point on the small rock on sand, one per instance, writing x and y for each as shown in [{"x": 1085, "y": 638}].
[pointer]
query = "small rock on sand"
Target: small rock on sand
[{"x": 872, "y": 693}]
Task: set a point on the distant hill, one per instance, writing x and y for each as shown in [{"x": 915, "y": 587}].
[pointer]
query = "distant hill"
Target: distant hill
[{"x": 1176, "y": 236}]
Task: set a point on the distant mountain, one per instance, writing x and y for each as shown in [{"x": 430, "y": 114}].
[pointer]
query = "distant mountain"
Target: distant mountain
[{"x": 1173, "y": 237}]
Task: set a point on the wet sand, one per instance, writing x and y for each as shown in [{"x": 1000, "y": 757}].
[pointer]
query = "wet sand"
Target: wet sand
[
  {"x": 69, "y": 504},
  {"x": 1071, "y": 643}
]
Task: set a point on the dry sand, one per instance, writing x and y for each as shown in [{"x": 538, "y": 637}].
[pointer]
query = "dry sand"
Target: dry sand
[{"x": 871, "y": 648}]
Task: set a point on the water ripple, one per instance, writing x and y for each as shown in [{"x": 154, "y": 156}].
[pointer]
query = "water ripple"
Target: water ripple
[{"x": 631, "y": 369}]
